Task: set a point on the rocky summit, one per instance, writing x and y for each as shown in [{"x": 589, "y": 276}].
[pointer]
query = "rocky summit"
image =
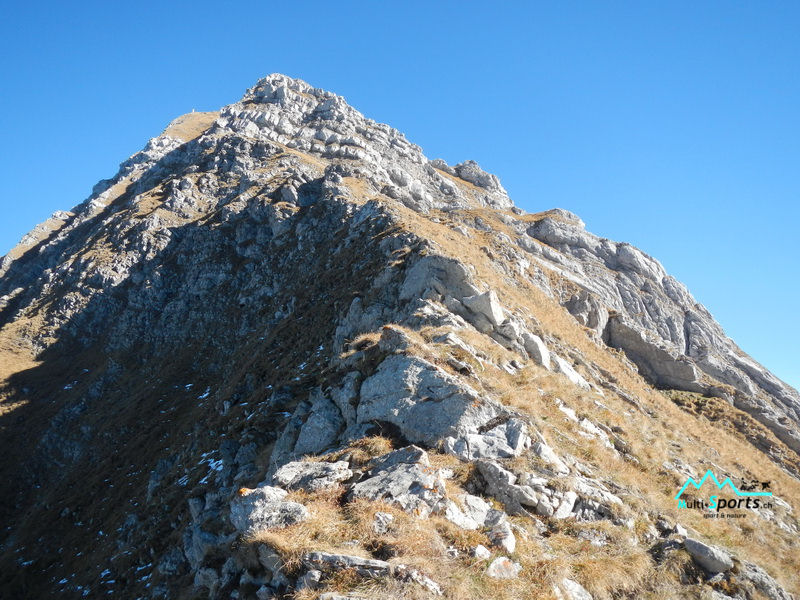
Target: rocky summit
[{"x": 283, "y": 354}]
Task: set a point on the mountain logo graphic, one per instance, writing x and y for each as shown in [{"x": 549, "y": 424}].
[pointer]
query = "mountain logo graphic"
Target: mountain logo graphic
[{"x": 727, "y": 482}]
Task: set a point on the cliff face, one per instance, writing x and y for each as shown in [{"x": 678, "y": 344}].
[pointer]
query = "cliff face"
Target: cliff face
[{"x": 282, "y": 352}]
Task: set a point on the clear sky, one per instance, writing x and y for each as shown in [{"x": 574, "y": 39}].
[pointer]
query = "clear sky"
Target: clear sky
[{"x": 673, "y": 126}]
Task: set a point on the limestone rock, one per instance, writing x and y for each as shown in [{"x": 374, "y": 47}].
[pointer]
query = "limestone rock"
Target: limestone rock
[
  {"x": 665, "y": 368},
  {"x": 712, "y": 559},
  {"x": 404, "y": 477},
  {"x": 381, "y": 522},
  {"x": 503, "y": 568},
  {"x": 321, "y": 429},
  {"x": 327, "y": 562},
  {"x": 503, "y": 441},
  {"x": 486, "y": 304},
  {"x": 424, "y": 402},
  {"x": 264, "y": 508},
  {"x": 566, "y": 505},
  {"x": 311, "y": 476},
  {"x": 501, "y": 484},
  {"x": 562, "y": 366},
  {"x": 444, "y": 275},
  {"x": 761, "y": 581},
  {"x": 569, "y": 589},
  {"x": 502, "y": 536},
  {"x": 536, "y": 349}
]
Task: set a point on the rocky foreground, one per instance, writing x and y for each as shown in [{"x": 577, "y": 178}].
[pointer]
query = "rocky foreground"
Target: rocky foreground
[{"x": 283, "y": 354}]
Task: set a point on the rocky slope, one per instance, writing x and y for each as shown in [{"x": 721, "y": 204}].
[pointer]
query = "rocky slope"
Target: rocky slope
[{"x": 282, "y": 353}]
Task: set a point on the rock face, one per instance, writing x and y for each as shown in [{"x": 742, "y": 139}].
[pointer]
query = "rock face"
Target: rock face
[
  {"x": 282, "y": 352},
  {"x": 673, "y": 339}
]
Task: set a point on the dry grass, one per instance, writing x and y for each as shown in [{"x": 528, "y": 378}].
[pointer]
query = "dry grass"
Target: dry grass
[
  {"x": 191, "y": 125},
  {"x": 650, "y": 440}
]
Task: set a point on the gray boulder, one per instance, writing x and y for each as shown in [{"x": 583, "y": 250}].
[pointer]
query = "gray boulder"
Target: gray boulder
[
  {"x": 311, "y": 476},
  {"x": 382, "y": 522},
  {"x": 321, "y": 429},
  {"x": 472, "y": 513},
  {"x": 502, "y": 536},
  {"x": 503, "y": 567},
  {"x": 486, "y": 304},
  {"x": 536, "y": 349},
  {"x": 423, "y": 401},
  {"x": 446, "y": 276},
  {"x": 264, "y": 508},
  {"x": 711, "y": 558}
]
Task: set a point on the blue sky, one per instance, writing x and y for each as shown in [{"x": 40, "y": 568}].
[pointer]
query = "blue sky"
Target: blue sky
[{"x": 673, "y": 126}]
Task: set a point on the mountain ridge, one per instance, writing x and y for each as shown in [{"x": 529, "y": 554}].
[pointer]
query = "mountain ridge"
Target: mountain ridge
[{"x": 325, "y": 284}]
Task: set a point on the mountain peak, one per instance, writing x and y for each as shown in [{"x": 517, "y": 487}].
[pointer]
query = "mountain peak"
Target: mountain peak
[{"x": 282, "y": 353}]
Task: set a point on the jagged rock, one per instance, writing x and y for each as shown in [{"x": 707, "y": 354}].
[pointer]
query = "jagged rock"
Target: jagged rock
[
  {"x": 311, "y": 476},
  {"x": 680, "y": 530},
  {"x": 473, "y": 512},
  {"x": 503, "y": 568},
  {"x": 501, "y": 484},
  {"x": 503, "y": 441},
  {"x": 710, "y": 558},
  {"x": 264, "y": 508},
  {"x": 470, "y": 171},
  {"x": 381, "y": 522},
  {"x": 273, "y": 564},
  {"x": 536, "y": 349},
  {"x": 327, "y": 562},
  {"x": 321, "y": 429},
  {"x": 665, "y": 368},
  {"x": 562, "y": 366},
  {"x": 404, "y": 573},
  {"x": 404, "y": 477},
  {"x": 198, "y": 543},
  {"x": 454, "y": 514},
  {"x": 588, "y": 311},
  {"x": 487, "y": 305},
  {"x": 566, "y": 505},
  {"x": 475, "y": 507},
  {"x": 445, "y": 275},
  {"x": 424, "y": 402},
  {"x": 482, "y": 552},
  {"x": 252, "y": 254},
  {"x": 547, "y": 454}
]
